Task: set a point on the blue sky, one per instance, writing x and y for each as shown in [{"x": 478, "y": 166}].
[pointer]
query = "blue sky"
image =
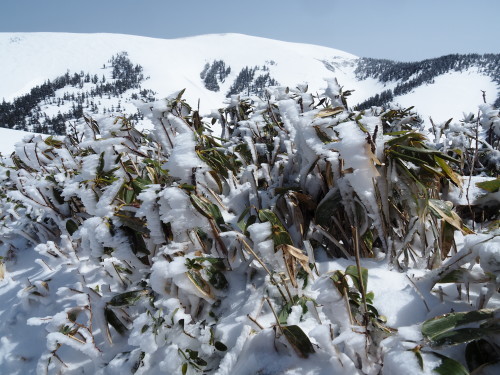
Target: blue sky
[{"x": 395, "y": 29}]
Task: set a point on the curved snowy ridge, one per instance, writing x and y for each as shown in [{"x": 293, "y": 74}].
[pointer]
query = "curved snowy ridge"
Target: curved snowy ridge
[{"x": 177, "y": 63}]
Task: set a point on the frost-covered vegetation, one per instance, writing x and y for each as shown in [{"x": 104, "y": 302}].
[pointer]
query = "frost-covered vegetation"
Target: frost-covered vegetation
[{"x": 267, "y": 250}]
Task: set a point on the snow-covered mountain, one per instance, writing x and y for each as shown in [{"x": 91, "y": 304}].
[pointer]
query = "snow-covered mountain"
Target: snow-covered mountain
[{"x": 211, "y": 67}]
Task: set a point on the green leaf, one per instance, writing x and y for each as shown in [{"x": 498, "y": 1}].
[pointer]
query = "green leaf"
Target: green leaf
[
  {"x": 492, "y": 185},
  {"x": 418, "y": 354},
  {"x": 340, "y": 282},
  {"x": 421, "y": 150},
  {"x": 437, "y": 326},
  {"x": 370, "y": 297},
  {"x": 367, "y": 238},
  {"x": 128, "y": 196},
  {"x": 353, "y": 272},
  {"x": 460, "y": 336},
  {"x": 113, "y": 320},
  {"x": 208, "y": 209},
  {"x": 279, "y": 234},
  {"x": 129, "y": 220},
  {"x": 462, "y": 275},
  {"x": 180, "y": 93},
  {"x": 220, "y": 346},
  {"x": 139, "y": 184},
  {"x": 281, "y": 238},
  {"x": 299, "y": 340},
  {"x": 287, "y": 308},
  {"x": 449, "y": 366},
  {"x": 480, "y": 352},
  {"x": 205, "y": 240},
  {"x": 268, "y": 215},
  {"x": 127, "y": 298},
  {"x": 404, "y": 136},
  {"x": 57, "y": 195},
  {"x": 217, "y": 279},
  {"x": 217, "y": 180},
  {"x": 184, "y": 368},
  {"x": 217, "y": 263},
  {"x": 327, "y": 208},
  {"x": 100, "y": 165},
  {"x": 399, "y": 155},
  {"x": 71, "y": 226},
  {"x": 243, "y": 223}
]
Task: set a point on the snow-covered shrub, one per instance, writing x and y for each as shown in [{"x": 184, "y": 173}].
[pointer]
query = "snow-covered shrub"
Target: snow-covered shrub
[
  {"x": 475, "y": 141},
  {"x": 176, "y": 251}
]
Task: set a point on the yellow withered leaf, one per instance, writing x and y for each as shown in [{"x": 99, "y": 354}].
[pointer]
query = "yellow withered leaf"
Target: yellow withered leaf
[
  {"x": 327, "y": 112},
  {"x": 292, "y": 255}
]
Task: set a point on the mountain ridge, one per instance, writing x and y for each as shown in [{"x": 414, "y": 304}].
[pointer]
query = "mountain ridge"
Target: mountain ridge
[{"x": 251, "y": 64}]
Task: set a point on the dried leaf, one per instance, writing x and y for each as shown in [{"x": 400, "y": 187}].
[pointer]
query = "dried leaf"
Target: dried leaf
[
  {"x": 444, "y": 211},
  {"x": 292, "y": 255},
  {"x": 327, "y": 112},
  {"x": 201, "y": 285},
  {"x": 2, "y": 270}
]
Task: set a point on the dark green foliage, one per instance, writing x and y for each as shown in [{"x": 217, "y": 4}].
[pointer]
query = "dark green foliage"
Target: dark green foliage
[
  {"x": 379, "y": 100},
  {"x": 247, "y": 85},
  {"x": 214, "y": 74}
]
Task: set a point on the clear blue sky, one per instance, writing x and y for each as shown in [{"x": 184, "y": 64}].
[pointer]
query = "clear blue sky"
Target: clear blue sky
[{"x": 395, "y": 29}]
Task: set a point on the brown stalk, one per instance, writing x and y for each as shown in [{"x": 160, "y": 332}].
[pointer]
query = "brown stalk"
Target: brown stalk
[{"x": 355, "y": 237}]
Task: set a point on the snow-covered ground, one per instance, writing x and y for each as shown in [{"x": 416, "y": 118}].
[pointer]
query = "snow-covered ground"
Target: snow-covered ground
[
  {"x": 9, "y": 138},
  {"x": 452, "y": 95}
]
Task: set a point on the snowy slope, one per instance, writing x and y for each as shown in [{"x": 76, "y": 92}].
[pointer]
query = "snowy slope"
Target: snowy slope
[
  {"x": 29, "y": 59},
  {"x": 172, "y": 64},
  {"x": 452, "y": 95},
  {"x": 8, "y": 139}
]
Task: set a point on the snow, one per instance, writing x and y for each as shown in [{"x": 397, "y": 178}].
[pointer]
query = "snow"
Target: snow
[
  {"x": 453, "y": 95},
  {"x": 45, "y": 284},
  {"x": 9, "y": 138},
  {"x": 470, "y": 193}
]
